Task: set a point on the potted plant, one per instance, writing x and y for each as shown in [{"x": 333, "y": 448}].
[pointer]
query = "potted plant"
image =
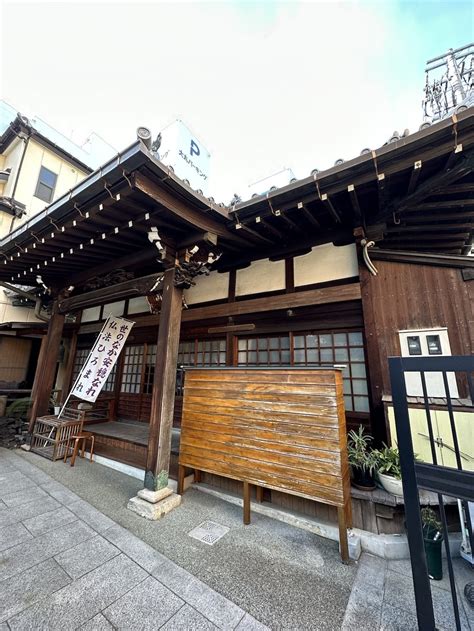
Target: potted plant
[
  {"x": 433, "y": 539},
  {"x": 389, "y": 472},
  {"x": 362, "y": 459}
]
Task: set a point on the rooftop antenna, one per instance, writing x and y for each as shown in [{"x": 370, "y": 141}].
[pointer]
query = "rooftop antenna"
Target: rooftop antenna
[{"x": 449, "y": 85}]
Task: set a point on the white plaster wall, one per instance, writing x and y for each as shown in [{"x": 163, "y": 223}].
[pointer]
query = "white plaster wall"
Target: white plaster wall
[
  {"x": 207, "y": 288},
  {"x": 259, "y": 277},
  {"x": 9, "y": 313},
  {"x": 325, "y": 263},
  {"x": 37, "y": 156}
]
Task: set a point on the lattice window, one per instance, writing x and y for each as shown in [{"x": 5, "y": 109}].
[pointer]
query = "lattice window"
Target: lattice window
[
  {"x": 132, "y": 369},
  {"x": 149, "y": 374},
  {"x": 264, "y": 351},
  {"x": 319, "y": 349},
  {"x": 202, "y": 353}
]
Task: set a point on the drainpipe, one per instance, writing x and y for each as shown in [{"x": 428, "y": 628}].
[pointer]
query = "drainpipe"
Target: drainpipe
[
  {"x": 25, "y": 147},
  {"x": 26, "y": 294}
]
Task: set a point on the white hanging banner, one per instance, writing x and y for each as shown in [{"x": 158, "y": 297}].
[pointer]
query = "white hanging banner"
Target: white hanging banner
[{"x": 102, "y": 358}]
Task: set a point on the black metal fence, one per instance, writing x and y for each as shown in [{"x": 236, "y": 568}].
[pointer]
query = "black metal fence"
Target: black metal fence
[{"x": 453, "y": 482}]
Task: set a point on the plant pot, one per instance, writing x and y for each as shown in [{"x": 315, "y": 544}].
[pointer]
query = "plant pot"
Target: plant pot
[
  {"x": 57, "y": 409},
  {"x": 434, "y": 560},
  {"x": 362, "y": 479},
  {"x": 391, "y": 484}
]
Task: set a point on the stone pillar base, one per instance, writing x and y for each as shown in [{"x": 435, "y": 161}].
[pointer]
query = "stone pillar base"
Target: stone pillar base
[{"x": 154, "y": 504}]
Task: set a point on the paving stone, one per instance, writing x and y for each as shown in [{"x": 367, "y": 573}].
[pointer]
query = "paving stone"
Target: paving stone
[
  {"x": 135, "y": 548},
  {"x": 60, "y": 493},
  {"x": 216, "y": 608},
  {"x": 2, "y": 505},
  {"x": 13, "y": 482},
  {"x": 188, "y": 619},
  {"x": 24, "y": 496},
  {"x": 249, "y": 623},
  {"x": 147, "y": 606},
  {"x": 14, "y": 514},
  {"x": 86, "y": 556},
  {"x": 26, "y": 588},
  {"x": 97, "y": 623},
  {"x": 48, "y": 521},
  {"x": 364, "y": 609},
  {"x": 12, "y": 535},
  {"x": 75, "y": 604},
  {"x": 399, "y": 593},
  {"x": 96, "y": 520},
  {"x": 394, "y": 619},
  {"x": 28, "y": 554}
]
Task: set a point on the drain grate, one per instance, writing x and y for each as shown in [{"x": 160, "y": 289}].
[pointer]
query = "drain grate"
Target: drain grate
[{"x": 208, "y": 532}]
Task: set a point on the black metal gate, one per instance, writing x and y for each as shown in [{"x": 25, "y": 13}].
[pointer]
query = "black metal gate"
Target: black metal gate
[{"x": 451, "y": 482}]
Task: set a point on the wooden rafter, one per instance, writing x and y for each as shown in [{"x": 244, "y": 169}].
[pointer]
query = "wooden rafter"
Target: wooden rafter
[
  {"x": 309, "y": 215},
  {"x": 267, "y": 225},
  {"x": 415, "y": 174},
  {"x": 354, "y": 201},
  {"x": 330, "y": 206}
]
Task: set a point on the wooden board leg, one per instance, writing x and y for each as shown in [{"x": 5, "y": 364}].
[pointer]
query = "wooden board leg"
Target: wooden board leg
[
  {"x": 74, "y": 453},
  {"x": 246, "y": 503},
  {"x": 341, "y": 516},
  {"x": 197, "y": 476},
  {"x": 180, "y": 479},
  {"x": 92, "y": 446},
  {"x": 259, "y": 493}
]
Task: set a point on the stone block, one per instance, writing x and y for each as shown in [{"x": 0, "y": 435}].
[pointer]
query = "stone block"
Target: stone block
[
  {"x": 86, "y": 556},
  {"x": 25, "y": 511},
  {"x": 135, "y": 548},
  {"x": 93, "y": 517},
  {"x": 23, "y": 590},
  {"x": 147, "y": 606},
  {"x": 153, "y": 511},
  {"x": 215, "y": 607},
  {"x": 188, "y": 619},
  {"x": 24, "y": 496},
  {"x": 12, "y": 535},
  {"x": 97, "y": 623},
  {"x": 30, "y": 553},
  {"x": 47, "y": 521},
  {"x": 81, "y": 600},
  {"x": 154, "y": 496}
]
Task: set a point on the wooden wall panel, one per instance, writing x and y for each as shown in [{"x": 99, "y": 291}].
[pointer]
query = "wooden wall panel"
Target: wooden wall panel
[
  {"x": 407, "y": 296},
  {"x": 275, "y": 428},
  {"x": 14, "y": 357}
]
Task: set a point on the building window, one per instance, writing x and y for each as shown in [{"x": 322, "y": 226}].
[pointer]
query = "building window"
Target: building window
[
  {"x": 202, "y": 353},
  {"x": 46, "y": 184},
  {"x": 132, "y": 369},
  {"x": 314, "y": 349}
]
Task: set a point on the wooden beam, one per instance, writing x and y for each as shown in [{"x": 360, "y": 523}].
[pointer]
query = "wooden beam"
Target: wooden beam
[
  {"x": 330, "y": 206},
  {"x": 125, "y": 262},
  {"x": 452, "y": 157},
  {"x": 309, "y": 215},
  {"x": 164, "y": 382},
  {"x": 120, "y": 291},
  {"x": 252, "y": 232},
  {"x": 429, "y": 228},
  {"x": 449, "y": 236},
  {"x": 46, "y": 371},
  {"x": 415, "y": 174},
  {"x": 354, "y": 201},
  {"x": 451, "y": 216},
  {"x": 272, "y": 230},
  {"x": 286, "y": 219},
  {"x": 467, "y": 187},
  {"x": 192, "y": 216},
  {"x": 449, "y": 203},
  {"x": 325, "y": 295},
  {"x": 67, "y": 379}
]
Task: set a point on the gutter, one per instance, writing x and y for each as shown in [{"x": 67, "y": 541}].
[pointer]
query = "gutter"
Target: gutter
[
  {"x": 27, "y": 294},
  {"x": 25, "y": 147}
]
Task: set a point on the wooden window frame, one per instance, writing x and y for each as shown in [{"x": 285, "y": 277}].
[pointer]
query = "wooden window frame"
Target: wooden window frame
[{"x": 40, "y": 183}]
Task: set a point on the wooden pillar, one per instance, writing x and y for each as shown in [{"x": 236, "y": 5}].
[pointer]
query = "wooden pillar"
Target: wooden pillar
[
  {"x": 164, "y": 383},
  {"x": 67, "y": 380},
  {"x": 46, "y": 370}
]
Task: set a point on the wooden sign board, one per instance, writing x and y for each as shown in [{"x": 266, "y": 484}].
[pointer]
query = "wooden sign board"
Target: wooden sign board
[{"x": 281, "y": 428}]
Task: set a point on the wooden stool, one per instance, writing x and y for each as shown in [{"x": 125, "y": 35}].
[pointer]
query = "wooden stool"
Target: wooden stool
[{"x": 84, "y": 436}]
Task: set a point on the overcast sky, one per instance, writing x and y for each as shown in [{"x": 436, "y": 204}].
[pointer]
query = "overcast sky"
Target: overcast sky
[{"x": 264, "y": 85}]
